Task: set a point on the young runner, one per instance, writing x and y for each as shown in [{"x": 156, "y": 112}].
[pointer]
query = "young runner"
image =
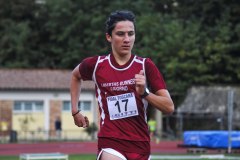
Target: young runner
[{"x": 125, "y": 84}]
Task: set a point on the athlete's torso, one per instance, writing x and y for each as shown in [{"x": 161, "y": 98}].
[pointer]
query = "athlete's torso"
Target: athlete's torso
[{"x": 122, "y": 110}]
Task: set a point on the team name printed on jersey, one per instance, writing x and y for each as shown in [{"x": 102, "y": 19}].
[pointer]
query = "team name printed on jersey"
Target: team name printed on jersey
[{"x": 119, "y": 86}]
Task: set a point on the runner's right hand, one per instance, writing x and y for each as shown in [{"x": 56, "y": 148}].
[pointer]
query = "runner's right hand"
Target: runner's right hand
[{"x": 81, "y": 121}]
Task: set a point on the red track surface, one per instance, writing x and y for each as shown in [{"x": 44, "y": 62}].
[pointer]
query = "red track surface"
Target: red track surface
[{"x": 164, "y": 147}]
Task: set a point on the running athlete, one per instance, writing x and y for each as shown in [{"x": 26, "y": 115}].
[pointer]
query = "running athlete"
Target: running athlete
[{"x": 125, "y": 84}]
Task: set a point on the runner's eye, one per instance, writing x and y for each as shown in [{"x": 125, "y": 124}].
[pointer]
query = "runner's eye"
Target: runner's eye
[
  {"x": 120, "y": 33},
  {"x": 131, "y": 33}
]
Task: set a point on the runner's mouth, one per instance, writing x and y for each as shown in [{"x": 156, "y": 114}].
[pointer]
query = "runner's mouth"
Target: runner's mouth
[{"x": 125, "y": 47}]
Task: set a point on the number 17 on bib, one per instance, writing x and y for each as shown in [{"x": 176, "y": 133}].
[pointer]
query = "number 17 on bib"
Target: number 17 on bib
[{"x": 122, "y": 106}]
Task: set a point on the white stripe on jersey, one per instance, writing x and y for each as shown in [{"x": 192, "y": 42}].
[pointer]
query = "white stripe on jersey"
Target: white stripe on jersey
[
  {"x": 99, "y": 98},
  {"x": 143, "y": 100},
  {"x": 122, "y": 69}
]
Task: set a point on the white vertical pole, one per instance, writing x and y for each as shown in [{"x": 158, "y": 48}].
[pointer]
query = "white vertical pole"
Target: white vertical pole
[
  {"x": 47, "y": 118},
  {"x": 158, "y": 116},
  {"x": 230, "y": 115}
]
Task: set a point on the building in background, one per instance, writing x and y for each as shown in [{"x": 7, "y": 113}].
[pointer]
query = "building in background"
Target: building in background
[
  {"x": 207, "y": 107},
  {"x": 31, "y": 99}
]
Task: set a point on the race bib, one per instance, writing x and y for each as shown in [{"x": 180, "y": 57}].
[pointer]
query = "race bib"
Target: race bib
[{"x": 122, "y": 106}]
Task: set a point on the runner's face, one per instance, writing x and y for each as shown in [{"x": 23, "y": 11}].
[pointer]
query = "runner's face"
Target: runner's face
[{"x": 123, "y": 37}]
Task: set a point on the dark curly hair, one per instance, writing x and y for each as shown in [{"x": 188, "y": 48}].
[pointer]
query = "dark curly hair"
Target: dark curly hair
[{"x": 117, "y": 16}]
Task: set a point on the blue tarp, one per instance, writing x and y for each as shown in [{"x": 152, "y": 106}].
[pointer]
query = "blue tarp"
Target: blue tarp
[{"x": 211, "y": 139}]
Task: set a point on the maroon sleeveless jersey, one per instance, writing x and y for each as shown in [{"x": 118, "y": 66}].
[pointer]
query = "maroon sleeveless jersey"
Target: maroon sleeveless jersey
[{"x": 122, "y": 110}]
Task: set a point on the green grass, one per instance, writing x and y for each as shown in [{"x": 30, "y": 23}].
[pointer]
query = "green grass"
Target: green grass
[{"x": 71, "y": 157}]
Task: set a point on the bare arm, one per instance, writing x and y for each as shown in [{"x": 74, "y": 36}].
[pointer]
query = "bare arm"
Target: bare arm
[
  {"x": 75, "y": 88},
  {"x": 160, "y": 100}
]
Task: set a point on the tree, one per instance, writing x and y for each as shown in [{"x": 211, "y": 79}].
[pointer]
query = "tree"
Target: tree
[
  {"x": 91, "y": 130},
  {"x": 192, "y": 42}
]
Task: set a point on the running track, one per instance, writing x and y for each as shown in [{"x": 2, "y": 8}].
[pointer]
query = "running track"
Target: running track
[{"x": 164, "y": 147}]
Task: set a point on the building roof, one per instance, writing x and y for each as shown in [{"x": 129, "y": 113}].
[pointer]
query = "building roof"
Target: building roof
[
  {"x": 204, "y": 99},
  {"x": 38, "y": 79},
  {"x": 211, "y": 100}
]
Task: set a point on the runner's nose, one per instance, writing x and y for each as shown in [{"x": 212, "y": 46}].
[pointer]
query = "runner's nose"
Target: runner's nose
[{"x": 126, "y": 38}]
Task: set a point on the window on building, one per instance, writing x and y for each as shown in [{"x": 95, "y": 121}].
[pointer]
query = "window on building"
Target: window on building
[
  {"x": 85, "y": 106},
  {"x": 82, "y": 105},
  {"x": 39, "y": 106},
  {"x": 17, "y": 106},
  {"x": 28, "y": 106},
  {"x": 66, "y": 106}
]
